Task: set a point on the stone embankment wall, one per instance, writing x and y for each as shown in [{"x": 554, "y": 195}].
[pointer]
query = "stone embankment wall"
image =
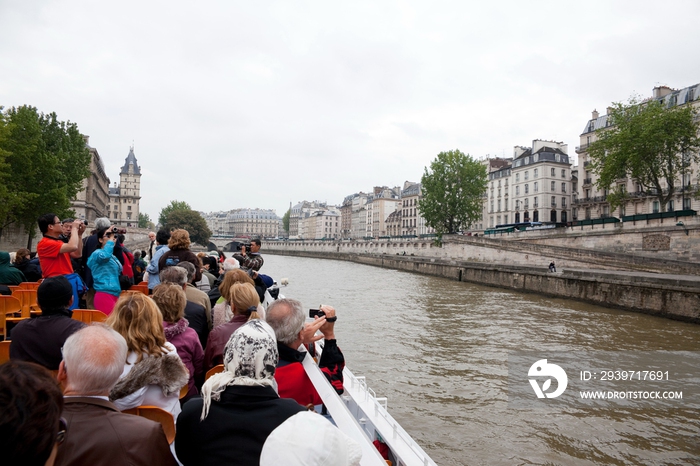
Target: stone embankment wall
[
  {"x": 616, "y": 271},
  {"x": 675, "y": 298}
]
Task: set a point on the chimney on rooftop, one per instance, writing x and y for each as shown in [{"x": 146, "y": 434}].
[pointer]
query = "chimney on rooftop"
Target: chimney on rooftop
[
  {"x": 594, "y": 115},
  {"x": 661, "y": 91}
]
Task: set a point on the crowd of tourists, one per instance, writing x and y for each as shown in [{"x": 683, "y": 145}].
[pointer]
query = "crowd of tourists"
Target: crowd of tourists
[{"x": 203, "y": 312}]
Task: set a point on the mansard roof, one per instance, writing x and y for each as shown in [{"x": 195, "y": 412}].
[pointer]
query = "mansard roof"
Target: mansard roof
[
  {"x": 130, "y": 160},
  {"x": 675, "y": 97}
]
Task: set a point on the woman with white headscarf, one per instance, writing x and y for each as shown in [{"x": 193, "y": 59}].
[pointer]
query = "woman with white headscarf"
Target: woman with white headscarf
[{"x": 239, "y": 406}]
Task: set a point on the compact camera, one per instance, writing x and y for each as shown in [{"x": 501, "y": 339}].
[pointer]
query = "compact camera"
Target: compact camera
[
  {"x": 118, "y": 231},
  {"x": 317, "y": 312}
]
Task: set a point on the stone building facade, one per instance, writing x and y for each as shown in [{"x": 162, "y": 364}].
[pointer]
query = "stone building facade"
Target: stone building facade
[
  {"x": 124, "y": 198},
  {"x": 258, "y": 223},
  {"x": 92, "y": 200},
  {"x": 591, "y": 202},
  {"x": 535, "y": 186}
]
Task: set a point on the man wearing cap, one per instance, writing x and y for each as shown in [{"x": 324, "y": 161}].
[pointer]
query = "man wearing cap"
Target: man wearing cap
[{"x": 40, "y": 339}]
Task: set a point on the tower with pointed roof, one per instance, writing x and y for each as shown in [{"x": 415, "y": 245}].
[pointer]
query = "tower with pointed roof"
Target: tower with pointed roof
[{"x": 124, "y": 198}]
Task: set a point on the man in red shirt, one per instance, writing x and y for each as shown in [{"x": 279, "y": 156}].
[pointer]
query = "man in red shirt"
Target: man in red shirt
[
  {"x": 286, "y": 317},
  {"x": 54, "y": 254}
]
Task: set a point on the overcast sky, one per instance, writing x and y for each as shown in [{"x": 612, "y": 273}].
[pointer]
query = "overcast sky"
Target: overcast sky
[{"x": 258, "y": 104}]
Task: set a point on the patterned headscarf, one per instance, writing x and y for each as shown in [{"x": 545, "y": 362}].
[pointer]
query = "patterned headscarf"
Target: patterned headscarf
[{"x": 250, "y": 358}]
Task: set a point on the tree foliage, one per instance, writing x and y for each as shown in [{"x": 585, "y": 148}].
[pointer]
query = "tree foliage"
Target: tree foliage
[
  {"x": 43, "y": 162},
  {"x": 285, "y": 220},
  {"x": 452, "y": 192},
  {"x": 145, "y": 221},
  {"x": 647, "y": 142},
  {"x": 191, "y": 221},
  {"x": 173, "y": 206}
]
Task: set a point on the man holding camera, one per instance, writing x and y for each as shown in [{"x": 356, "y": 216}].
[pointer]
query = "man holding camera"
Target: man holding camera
[
  {"x": 253, "y": 260},
  {"x": 286, "y": 316},
  {"x": 55, "y": 255}
]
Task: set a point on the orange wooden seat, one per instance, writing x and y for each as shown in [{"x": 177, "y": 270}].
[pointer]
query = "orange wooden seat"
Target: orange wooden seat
[
  {"x": 9, "y": 305},
  {"x": 4, "y": 351},
  {"x": 29, "y": 285},
  {"x": 214, "y": 370},
  {"x": 157, "y": 414},
  {"x": 141, "y": 288},
  {"x": 89, "y": 315},
  {"x": 27, "y": 299},
  {"x": 184, "y": 390},
  {"x": 143, "y": 283},
  {"x": 13, "y": 288}
]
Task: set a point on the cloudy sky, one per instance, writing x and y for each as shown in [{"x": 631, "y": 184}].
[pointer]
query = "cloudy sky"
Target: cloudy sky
[{"x": 258, "y": 104}]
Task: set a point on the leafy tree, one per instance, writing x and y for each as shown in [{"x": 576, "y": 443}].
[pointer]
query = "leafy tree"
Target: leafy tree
[
  {"x": 647, "y": 142},
  {"x": 285, "y": 220},
  {"x": 191, "y": 221},
  {"x": 145, "y": 221},
  {"x": 173, "y": 206},
  {"x": 452, "y": 192},
  {"x": 44, "y": 162}
]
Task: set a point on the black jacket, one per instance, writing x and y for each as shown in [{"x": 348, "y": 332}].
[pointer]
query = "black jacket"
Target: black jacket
[{"x": 235, "y": 429}]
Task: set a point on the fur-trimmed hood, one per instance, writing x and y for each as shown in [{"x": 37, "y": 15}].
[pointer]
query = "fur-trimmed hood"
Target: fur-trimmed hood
[{"x": 167, "y": 371}]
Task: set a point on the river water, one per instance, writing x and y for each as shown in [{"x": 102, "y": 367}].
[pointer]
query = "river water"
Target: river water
[{"x": 439, "y": 349}]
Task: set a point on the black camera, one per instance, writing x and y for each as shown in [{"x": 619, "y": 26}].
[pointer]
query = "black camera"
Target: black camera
[
  {"x": 118, "y": 231},
  {"x": 316, "y": 312},
  {"x": 242, "y": 245}
]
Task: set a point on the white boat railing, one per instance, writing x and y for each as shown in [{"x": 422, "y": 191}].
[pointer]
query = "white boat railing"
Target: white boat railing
[
  {"x": 342, "y": 417},
  {"x": 404, "y": 448},
  {"x": 363, "y": 416}
]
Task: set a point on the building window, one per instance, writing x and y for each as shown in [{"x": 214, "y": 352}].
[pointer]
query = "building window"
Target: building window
[
  {"x": 527, "y": 188},
  {"x": 686, "y": 204},
  {"x": 563, "y": 203},
  {"x": 669, "y": 207},
  {"x": 517, "y": 190},
  {"x": 563, "y": 187},
  {"x": 655, "y": 207},
  {"x": 517, "y": 177},
  {"x": 535, "y": 187},
  {"x": 554, "y": 201},
  {"x": 563, "y": 173},
  {"x": 534, "y": 173},
  {"x": 128, "y": 208},
  {"x": 534, "y": 201},
  {"x": 527, "y": 175},
  {"x": 554, "y": 187}
]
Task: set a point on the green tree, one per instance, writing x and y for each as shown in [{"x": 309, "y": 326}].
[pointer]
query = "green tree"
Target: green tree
[
  {"x": 145, "y": 221},
  {"x": 173, "y": 206},
  {"x": 191, "y": 221},
  {"x": 285, "y": 220},
  {"x": 647, "y": 142},
  {"x": 452, "y": 192},
  {"x": 44, "y": 162}
]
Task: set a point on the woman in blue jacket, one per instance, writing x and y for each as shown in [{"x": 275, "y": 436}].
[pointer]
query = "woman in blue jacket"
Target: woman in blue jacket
[{"x": 105, "y": 271}]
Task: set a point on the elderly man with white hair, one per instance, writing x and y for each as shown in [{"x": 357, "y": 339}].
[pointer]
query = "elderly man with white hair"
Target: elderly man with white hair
[{"x": 97, "y": 433}]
